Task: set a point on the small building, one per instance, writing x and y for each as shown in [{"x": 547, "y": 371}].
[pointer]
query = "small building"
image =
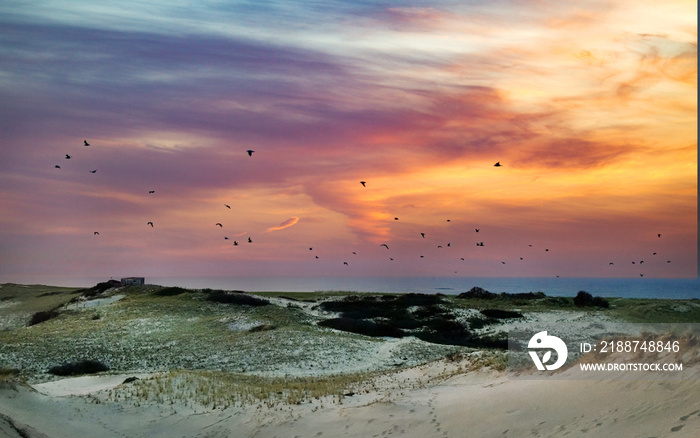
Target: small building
[{"x": 133, "y": 281}]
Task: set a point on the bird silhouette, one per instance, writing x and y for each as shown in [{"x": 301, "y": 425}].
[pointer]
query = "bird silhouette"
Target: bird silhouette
[
  {"x": 96, "y": 233},
  {"x": 93, "y": 171},
  {"x": 480, "y": 244},
  {"x": 311, "y": 249},
  {"x": 461, "y": 258},
  {"x": 422, "y": 235},
  {"x": 250, "y": 240},
  {"x": 85, "y": 143},
  {"x": 228, "y": 206},
  {"x": 346, "y": 263},
  {"x": 439, "y": 246},
  {"x": 611, "y": 263},
  {"x": 221, "y": 226},
  {"x": 498, "y": 164},
  {"x": 57, "y": 166},
  {"x": 150, "y": 192},
  {"x": 449, "y": 220},
  {"x": 659, "y": 235},
  {"x": 385, "y": 245},
  {"x": 225, "y": 237},
  {"x": 316, "y": 256},
  {"x": 235, "y": 243},
  {"x": 364, "y": 184},
  {"x": 250, "y": 152},
  {"x": 396, "y": 218},
  {"x": 67, "y": 157},
  {"x": 150, "y": 223},
  {"x": 476, "y": 229}
]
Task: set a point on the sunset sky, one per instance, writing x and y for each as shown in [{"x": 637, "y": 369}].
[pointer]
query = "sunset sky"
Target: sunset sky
[{"x": 589, "y": 106}]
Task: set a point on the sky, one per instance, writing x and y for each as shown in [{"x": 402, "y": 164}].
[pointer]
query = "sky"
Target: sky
[{"x": 590, "y": 107}]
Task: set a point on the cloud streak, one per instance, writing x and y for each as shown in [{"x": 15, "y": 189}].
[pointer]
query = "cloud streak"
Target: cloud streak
[{"x": 285, "y": 224}]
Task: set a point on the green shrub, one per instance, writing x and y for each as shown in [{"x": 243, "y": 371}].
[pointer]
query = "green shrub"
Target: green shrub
[
  {"x": 501, "y": 314},
  {"x": 42, "y": 316},
  {"x": 363, "y": 327},
  {"x": 169, "y": 291},
  {"x": 78, "y": 368},
  {"x": 236, "y": 298}
]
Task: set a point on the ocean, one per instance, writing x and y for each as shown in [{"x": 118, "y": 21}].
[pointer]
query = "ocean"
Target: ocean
[{"x": 678, "y": 288}]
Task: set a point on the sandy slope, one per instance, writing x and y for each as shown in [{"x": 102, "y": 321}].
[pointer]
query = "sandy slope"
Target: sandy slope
[{"x": 474, "y": 404}]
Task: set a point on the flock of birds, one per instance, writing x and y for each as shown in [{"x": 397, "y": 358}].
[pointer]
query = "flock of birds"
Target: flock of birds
[{"x": 383, "y": 245}]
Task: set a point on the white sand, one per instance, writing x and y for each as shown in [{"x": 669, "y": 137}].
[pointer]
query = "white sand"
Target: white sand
[{"x": 473, "y": 404}]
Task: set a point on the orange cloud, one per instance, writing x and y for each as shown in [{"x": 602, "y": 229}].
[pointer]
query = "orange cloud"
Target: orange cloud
[{"x": 286, "y": 224}]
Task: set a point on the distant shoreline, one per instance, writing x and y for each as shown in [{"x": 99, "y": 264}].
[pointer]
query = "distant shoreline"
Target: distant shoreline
[{"x": 673, "y": 288}]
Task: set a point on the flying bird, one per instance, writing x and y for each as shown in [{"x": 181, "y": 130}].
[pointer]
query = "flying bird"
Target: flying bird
[
  {"x": 316, "y": 256},
  {"x": 385, "y": 245},
  {"x": 57, "y": 166},
  {"x": 93, "y": 171},
  {"x": 659, "y": 235},
  {"x": 150, "y": 223},
  {"x": 498, "y": 164},
  {"x": 235, "y": 243},
  {"x": 85, "y": 143},
  {"x": 476, "y": 229},
  {"x": 67, "y": 157},
  {"x": 250, "y": 240},
  {"x": 219, "y": 225},
  {"x": 225, "y": 237},
  {"x": 250, "y": 152},
  {"x": 346, "y": 263},
  {"x": 422, "y": 235},
  {"x": 150, "y": 192},
  {"x": 449, "y": 220},
  {"x": 363, "y": 183},
  {"x": 396, "y": 218},
  {"x": 96, "y": 233},
  {"x": 228, "y": 206}
]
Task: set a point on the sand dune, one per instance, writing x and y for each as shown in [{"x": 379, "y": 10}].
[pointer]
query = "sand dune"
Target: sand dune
[{"x": 473, "y": 404}]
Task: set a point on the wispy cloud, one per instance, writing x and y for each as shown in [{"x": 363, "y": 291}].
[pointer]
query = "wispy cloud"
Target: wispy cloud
[{"x": 285, "y": 224}]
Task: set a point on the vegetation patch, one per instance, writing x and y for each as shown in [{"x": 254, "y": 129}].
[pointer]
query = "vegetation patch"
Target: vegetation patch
[
  {"x": 363, "y": 327},
  {"x": 424, "y": 316},
  {"x": 501, "y": 314},
  {"x": 584, "y": 299},
  {"x": 480, "y": 293},
  {"x": 98, "y": 288},
  {"x": 42, "y": 316},
  {"x": 78, "y": 368},
  {"x": 169, "y": 291},
  {"x": 239, "y": 298}
]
